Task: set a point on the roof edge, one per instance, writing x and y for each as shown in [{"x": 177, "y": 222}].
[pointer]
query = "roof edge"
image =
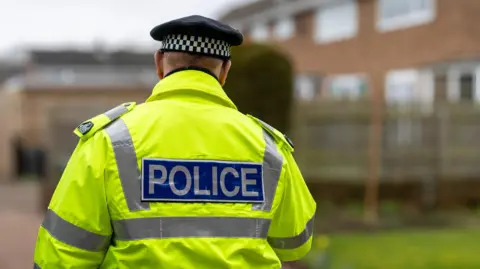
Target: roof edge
[{"x": 280, "y": 10}]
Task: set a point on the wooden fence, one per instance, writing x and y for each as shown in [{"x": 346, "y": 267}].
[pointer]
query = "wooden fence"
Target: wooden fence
[{"x": 417, "y": 142}]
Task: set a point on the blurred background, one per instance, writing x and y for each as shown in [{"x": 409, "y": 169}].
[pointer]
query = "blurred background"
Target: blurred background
[{"x": 380, "y": 97}]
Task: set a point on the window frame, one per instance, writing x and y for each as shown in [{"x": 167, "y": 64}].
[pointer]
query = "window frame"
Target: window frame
[
  {"x": 402, "y": 75},
  {"x": 254, "y": 29},
  {"x": 285, "y": 21},
  {"x": 360, "y": 77},
  {"x": 454, "y": 73},
  {"x": 321, "y": 38},
  {"x": 313, "y": 79},
  {"x": 409, "y": 20}
]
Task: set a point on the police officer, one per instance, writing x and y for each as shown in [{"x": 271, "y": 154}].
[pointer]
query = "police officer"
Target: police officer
[{"x": 182, "y": 181}]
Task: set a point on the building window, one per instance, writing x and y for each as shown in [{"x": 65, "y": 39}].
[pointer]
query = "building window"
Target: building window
[
  {"x": 260, "y": 31},
  {"x": 336, "y": 22},
  {"x": 284, "y": 28},
  {"x": 347, "y": 87},
  {"x": 307, "y": 87},
  {"x": 401, "y": 86},
  {"x": 467, "y": 87},
  {"x": 462, "y": 83},
  {"x": 394, "y": 14}
]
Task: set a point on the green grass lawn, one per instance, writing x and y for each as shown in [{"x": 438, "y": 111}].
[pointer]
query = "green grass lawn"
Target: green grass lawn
[{"x": 438, "y": 249}]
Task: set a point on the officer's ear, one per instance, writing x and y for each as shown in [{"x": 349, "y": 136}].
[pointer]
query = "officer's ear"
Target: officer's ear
[
  {"x": 159, "y": 64},
  {"x": 222, "y": 78}
]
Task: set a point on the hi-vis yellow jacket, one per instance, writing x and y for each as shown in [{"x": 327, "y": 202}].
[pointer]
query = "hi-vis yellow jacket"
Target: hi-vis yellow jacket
[{"x": 182, "y": 181}]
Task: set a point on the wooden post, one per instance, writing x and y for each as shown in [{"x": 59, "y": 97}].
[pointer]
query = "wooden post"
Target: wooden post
[{"x": 371, "y": 202}]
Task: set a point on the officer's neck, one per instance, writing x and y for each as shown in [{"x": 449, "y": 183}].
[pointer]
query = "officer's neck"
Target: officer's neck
[{"x": 205, "y": 70}]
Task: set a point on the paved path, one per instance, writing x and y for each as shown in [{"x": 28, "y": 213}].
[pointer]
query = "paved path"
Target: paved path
[{"x": 19, "y": 222}]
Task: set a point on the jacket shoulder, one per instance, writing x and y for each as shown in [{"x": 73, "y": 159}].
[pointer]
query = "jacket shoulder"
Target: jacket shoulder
[
  {"x": 91, "y": 126},
  {"x": 279, "y": 137}
]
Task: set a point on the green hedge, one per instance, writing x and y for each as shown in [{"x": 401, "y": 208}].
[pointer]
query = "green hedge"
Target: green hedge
[{"x": 261, "y": 83}]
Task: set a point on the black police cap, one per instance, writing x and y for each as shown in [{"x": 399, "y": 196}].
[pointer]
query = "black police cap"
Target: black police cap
[{"x": 198, "y": 35}]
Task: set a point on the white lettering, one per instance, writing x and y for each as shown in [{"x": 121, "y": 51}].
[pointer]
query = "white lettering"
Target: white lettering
[
  {"x": 224, "y": 172},
  {"x": 232, "y": 181},
  {"x": 153, "y": 180},
  {"x": 188, "y": 177},
  {"x": 196, "y": 182},
  {"x": 246, "y": 182},
  {"x": 215, "y": 180}
]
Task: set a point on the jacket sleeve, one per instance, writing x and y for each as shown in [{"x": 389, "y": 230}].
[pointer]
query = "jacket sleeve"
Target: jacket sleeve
[
  {"x": 291, "y": 231},
  {"x": 76, "y": 230}
]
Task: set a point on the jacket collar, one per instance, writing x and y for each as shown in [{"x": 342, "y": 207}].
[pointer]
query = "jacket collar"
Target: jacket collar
[{"x": 191, "y": 79}]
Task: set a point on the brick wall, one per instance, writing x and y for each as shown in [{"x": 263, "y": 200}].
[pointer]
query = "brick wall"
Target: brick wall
[{"x": 454, "y": 34}]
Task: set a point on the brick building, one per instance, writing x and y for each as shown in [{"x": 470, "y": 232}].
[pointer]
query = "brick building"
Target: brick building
[
  {"x": 54, "y": 92},
  {"x": 404, "y": 50}
]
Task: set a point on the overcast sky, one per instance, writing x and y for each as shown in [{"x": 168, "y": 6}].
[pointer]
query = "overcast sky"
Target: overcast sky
[{"x": 55, "y": 23}]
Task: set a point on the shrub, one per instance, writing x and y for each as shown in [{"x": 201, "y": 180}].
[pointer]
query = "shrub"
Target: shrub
[{"x": 261, "y": 83}]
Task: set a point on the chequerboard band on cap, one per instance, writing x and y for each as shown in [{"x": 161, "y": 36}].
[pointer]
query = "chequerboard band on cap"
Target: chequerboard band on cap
[{"x": 197, "y": 44}]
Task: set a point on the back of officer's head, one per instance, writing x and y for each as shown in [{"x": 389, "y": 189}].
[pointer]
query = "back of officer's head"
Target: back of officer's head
[
  {"x": 165, "y": 62},
  {"x": 195, "y": 41}
]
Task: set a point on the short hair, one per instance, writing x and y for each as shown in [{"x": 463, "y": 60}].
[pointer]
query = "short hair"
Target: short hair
[{"x": 182, "y": 59}]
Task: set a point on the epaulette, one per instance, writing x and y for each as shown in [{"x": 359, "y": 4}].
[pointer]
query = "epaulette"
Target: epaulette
[
  {"x": 277, "y": 135},
  {"x": 89, "y": 127}
]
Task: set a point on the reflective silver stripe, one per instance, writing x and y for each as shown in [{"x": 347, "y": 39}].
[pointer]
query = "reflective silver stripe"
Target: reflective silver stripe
[
  {"x": 72, "y": 235},
  {"x": 184, "y": 227},
  {"x": 295, "y": 241},
  {"x": 116, "y": 112},
  {"x": 128, "y": 171},
  {"x": 35, "y": 266},
  {"x": 266, "y": 125},
  {"x": 272, "y": 167}
]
